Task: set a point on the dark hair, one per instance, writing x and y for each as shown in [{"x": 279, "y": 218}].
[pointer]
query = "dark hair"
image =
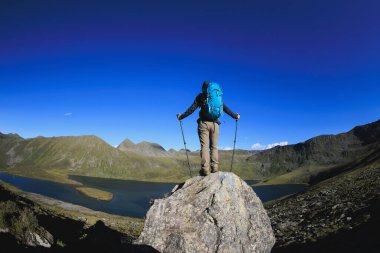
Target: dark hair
[{"x": 204, "y": 86}]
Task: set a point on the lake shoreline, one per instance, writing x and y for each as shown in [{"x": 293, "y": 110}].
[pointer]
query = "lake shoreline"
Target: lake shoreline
[
  {"x": 121, "y": 197},
  {"x": 60, "y": 176},
  {"x": 293, "y": 235},
  {"x": 125, "y": 224}
]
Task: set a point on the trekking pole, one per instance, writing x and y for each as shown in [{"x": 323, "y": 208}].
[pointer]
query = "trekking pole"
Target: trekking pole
[
  {"x": 184, "y": 143},
  {"x": 233, "y": 152}
]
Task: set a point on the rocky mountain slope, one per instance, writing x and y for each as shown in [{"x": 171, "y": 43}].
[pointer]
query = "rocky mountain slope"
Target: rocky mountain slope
[
  {"x": 303, "y": 161},
  {"x": 55, "y": 157},
  {"x": 339, "y": 214}
]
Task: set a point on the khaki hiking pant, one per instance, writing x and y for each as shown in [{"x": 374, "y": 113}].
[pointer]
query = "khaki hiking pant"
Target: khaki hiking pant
[{"x": 208, "y": 136}]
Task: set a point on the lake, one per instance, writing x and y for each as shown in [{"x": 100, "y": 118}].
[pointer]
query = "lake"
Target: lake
[{"x": 130, "y": 198}]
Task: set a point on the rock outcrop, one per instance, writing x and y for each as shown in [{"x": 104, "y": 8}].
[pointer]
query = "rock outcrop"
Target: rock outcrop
[
  {"x": 217, "y": 213},
  {"x": 42, "y": 238}
]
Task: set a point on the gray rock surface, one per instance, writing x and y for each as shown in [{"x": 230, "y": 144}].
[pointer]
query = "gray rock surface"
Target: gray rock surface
[
  {"x": 217, "y": 213},
  {"x": 43, "y": 238}
]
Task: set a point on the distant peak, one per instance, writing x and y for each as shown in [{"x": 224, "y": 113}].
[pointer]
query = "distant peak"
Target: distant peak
[
  {"x": 10, "y": 135},
  {"x": 126, "y": 143},
  {"x": 150, "y": 145},
  {"x": 144, "y": 147},
  {"x": 126, "y": 140}
]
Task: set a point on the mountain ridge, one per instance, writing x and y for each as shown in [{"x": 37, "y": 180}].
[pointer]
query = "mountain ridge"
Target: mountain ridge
[
  {"x": 323, "y": 151},
  {"x": 83, "y": 155},
  {"x": 89, "y": 155},
  {"x": 144, "y": 148}
]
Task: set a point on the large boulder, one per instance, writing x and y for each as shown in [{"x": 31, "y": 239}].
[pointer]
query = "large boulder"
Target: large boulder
[{"x": 216, "y": 213}]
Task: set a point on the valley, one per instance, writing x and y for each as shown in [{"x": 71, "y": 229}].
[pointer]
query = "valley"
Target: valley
[{"x": 55, "y": 158}]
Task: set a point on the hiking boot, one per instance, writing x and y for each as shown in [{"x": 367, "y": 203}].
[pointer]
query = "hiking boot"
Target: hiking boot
[
  {"x": 203, "y": 173},
  {"x": 214, "y": 170}
]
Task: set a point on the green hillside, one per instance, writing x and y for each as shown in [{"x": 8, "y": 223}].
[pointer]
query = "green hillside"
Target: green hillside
[
  {"x": 144, "y": 148},
  {"x": 303, "y": 162},
  {"x": 56, "y": 157}
]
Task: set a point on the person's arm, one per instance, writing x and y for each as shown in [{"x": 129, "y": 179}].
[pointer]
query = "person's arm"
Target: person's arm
[
  {"x": 190, "y": 110},
  {"x": 229, "y": 112}
]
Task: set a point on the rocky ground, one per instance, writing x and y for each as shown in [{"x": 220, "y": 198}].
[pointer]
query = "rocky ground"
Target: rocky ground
[
  {"x": 340, "y": 214},
  {"x": 33, "y": 223}
]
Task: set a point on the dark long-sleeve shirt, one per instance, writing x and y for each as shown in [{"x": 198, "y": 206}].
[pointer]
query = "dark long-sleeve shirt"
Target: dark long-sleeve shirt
[{"x": 201, "y": 101}]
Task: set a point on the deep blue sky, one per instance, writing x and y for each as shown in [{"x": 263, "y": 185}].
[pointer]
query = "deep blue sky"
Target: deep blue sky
[{"x": 292, "y": 69}]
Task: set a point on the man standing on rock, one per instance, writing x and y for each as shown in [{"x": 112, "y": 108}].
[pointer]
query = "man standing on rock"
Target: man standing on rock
[{"x": 211, "y": 108}]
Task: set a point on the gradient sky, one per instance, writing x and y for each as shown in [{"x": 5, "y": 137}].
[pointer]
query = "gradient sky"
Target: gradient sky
[{"x": 293, "y": 69}]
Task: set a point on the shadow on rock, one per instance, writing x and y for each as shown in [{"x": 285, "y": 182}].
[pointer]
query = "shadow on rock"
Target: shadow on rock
[{"x": 100, "y": 238}]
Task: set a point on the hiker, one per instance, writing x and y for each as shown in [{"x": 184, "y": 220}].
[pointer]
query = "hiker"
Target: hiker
[{"x": 211, "y": 108}]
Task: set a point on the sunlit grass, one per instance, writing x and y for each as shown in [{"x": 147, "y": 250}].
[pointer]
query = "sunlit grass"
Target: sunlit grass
[{"x": 95, "y": 193}]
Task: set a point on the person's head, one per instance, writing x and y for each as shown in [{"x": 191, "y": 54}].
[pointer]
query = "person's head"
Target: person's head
[{"x": 204, "y": 86}]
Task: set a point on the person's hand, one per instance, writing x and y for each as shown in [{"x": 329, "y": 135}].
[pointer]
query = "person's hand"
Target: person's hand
[
  {"x": 178, "y": 115},
  {"x": 237, "y": 116}
]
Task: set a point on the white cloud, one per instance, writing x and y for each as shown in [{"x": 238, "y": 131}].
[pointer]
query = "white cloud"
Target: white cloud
[
  {"x": 282, "y": 143},
  {"x": 226, "y": 148},
  {"x": 67, "y": 114},
  {"x": 258, "y": 146}
]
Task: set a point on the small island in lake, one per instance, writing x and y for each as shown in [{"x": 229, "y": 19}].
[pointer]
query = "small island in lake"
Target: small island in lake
[{"x": 95, "y": 193}]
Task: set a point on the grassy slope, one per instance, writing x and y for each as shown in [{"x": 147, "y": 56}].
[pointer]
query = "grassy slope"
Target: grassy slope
[
  {"x": 315, "y": 174},
  {"x": 286, "y": 210},
  {"x": 55, "y": 158},
  {"x": 95, "y": 193},
  {"x": 322, "y": 155}
]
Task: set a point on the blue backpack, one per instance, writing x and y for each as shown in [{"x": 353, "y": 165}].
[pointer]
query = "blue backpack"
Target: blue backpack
[{"x": 214, "y": 100}]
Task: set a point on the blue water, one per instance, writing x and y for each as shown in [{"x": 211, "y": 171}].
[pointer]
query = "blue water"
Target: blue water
[
  {"x": 130, "y": 198},
  {"x": 271, "y": 192}
]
